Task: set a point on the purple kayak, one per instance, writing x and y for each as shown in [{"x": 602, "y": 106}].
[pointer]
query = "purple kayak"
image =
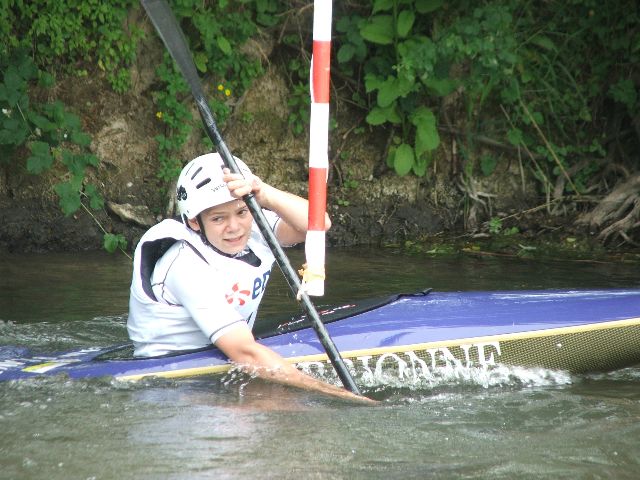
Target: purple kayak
[{"x": 576, "y": 331}]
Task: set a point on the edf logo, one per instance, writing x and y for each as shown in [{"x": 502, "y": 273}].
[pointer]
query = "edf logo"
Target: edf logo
[{"x": 259, "y": 284}]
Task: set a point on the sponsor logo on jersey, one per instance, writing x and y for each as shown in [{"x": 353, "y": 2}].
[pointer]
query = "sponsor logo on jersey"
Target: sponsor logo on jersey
[
  {"x": 237, "y": 295},
  {"x": 241, "y": 295}
]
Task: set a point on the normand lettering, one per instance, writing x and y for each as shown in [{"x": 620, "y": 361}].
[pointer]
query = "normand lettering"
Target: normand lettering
[{"x": 414, "y": 364}]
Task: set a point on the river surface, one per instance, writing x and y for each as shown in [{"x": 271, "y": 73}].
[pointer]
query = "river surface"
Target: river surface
[{"x": 506, "y": 424}]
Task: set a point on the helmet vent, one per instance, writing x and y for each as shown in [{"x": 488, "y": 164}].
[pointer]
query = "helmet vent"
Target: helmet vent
[
  {"x": 203, "y": 183},
  {"x": 196, "y": 173}
]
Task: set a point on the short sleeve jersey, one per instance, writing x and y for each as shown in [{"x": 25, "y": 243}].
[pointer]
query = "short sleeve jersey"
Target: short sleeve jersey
[{"x": 199, "y": 293}]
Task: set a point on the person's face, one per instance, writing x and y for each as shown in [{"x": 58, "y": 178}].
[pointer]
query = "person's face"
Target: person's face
[{"x": 226, "y": 226}]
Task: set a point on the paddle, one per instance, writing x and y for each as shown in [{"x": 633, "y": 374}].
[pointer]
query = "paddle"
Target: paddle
[{"x": 171, "y": 34}]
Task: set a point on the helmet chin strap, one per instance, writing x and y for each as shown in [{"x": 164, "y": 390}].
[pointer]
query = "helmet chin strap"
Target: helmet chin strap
[{"x": 203, "y": 235}]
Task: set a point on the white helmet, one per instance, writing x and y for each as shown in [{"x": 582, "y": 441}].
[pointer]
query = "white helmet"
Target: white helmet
[{"x": 200, "y": 185}]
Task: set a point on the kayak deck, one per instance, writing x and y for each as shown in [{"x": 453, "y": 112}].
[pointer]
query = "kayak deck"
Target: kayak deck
[{"x": 572, "y": 330}]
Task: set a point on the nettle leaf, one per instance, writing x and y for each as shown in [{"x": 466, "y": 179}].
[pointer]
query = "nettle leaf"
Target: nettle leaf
[
  {"x": 393, "y": 88},
  {"x": 404, "y": 159},
  {"x": 392, "y": 115},
  {"x": 91, "y": 159},
  {"x": 372, "y": 82},
  {"x": 42, "y": 122},
  {"x": 378, "y": 29},
  {"x": 624, "y": 92},
  {"x": 46, "y": 80},
  {"x": 421, "y": 164},
  {"x": 405, "y": 84},
  {"x": 13, "y": 79},
  {"x": 12, "y": 131},
  {"x": 427, "y": 137},
  {"x": 382, "y": 5},
  {"x": 515, "y": 137},
  {"x": 13, "y": 88},
  {"x": 346, "y": 52},
  {"x": 27, "y": 69},
  {"x": 112, "y": 242},
  {"x": 224, "y": 45},
  {"x": 488, "y": 164},
  {"x": 441, "y": 86},
  {"x": 56, "y": 111},
  {"x": 200, "y": 59},
  {"x": 388, "y": 92},
  {"x": 71, "y": 121},
  {"x": 75, "y": 163},
  {"x": 428, "y": 6},
  {"x": 538, "y": 118},
  {"x": 80, "y": 138},
  {"x": 544, "y": 42},
  {"x": 40, "y": 159},
  {"x": 69, "y": 193},
  {"x": 95, "y": 199},
  {"x": 377, "y": 116},
  {"x": 405, "y": 23}
]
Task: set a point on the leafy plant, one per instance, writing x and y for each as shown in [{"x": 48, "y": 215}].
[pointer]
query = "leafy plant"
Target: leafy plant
[
  {"x": 216, "y": 32},
  {"x": 65, "y": 35},
  {"x": 175, "y": 115},
  {"x": 113, "y": 242},
  {"x": 496, "y": 227},
  {"x": 53, "y": 135},
  {"x": 299, "y": 101},
  {"x": 533, "y": 75},
  {"x": 389, "y": 43}
]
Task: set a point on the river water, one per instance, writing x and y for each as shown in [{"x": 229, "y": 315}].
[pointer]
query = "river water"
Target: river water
[{"x": 503, "y": 424}]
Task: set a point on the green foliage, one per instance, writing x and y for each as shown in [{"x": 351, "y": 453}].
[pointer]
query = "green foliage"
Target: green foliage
[
  {"x": 175, "y": 114},
  {"x": 78, "y": 37},
  {"x": 216, "y": 31},
  {"x": 537, "y": 76},
  {"x": 624, "y": 92},
  {"x": 557, "y": 79},
  {"x": 352, "y": 50},
  {"x": 299, "y": 104},
  {"x": 299, "y": 101},
  {"x": 114, "y": 242},
  {"x": 349, "y": 184},
  {"x": 66, "y": 36},
  {"x": 488, "y": 164},
  {"x": 496, "y": 227},
  {"x": 53, "y": 135}
]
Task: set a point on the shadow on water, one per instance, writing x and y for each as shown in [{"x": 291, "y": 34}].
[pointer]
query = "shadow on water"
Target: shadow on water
[
  {"x": 68, "y": 287},
  {"x": 63, "y": 287}
]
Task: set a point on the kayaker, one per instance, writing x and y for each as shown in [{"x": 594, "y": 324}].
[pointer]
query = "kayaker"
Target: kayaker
[{"x": 199, "y": 280}]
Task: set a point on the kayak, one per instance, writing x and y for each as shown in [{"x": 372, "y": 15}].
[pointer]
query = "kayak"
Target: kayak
[{"x": 576, "y": 331}]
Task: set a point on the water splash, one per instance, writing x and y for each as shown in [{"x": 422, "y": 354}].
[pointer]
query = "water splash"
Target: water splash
[
  {"x": 381, "y": 381},
  {"x": 46, "y": 337}
]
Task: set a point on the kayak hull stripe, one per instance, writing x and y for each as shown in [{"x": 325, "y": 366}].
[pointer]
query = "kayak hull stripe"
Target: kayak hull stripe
[{"x": 577, "y": 349}]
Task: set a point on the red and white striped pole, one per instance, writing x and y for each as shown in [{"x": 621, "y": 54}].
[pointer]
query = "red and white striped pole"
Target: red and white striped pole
[{"x": 314, "y": 275}]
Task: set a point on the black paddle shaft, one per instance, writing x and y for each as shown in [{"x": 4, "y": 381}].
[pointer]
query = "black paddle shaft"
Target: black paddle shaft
[{"x": 172, "y": 36}]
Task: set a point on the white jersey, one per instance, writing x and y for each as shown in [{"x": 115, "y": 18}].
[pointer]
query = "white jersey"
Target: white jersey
[{"x": 185, "y": 295}]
